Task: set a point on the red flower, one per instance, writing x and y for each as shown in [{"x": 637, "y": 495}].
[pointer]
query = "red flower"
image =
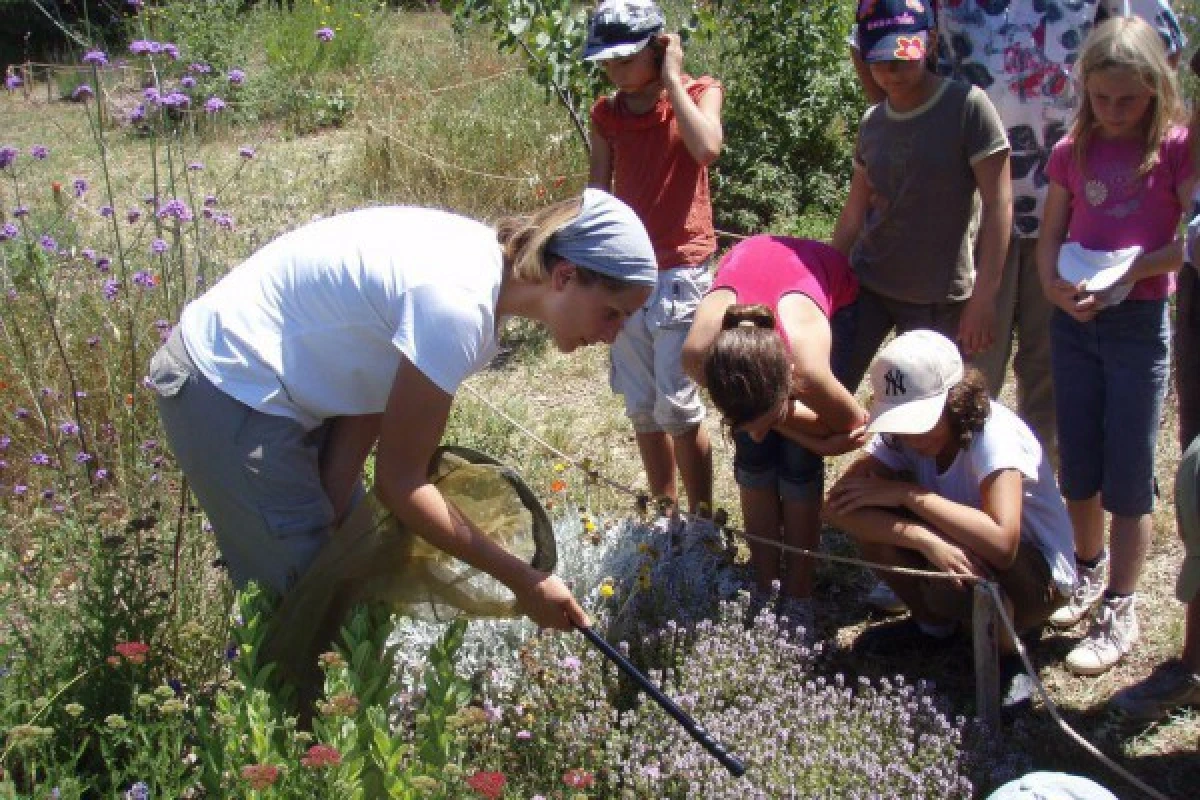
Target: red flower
[
  {"x": 579, "y": 779},
  {"x": 260, "y": 776},
  {"x": 321, "y": 755},
  {"x": 488, "y": 784},
  {"x": 133, "y": 652}
]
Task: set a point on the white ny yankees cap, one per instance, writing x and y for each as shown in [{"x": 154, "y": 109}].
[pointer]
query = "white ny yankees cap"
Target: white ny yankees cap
[{"x": 911, "y": 378}]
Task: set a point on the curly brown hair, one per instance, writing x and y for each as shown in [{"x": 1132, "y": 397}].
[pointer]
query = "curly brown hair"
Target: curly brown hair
[
  {"x": 968, "y": 406},
  {"x": 747, "y": 369}
]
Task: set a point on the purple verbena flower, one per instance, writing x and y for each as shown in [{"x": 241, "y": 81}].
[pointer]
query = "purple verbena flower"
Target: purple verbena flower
[
  {"x": 96, "y": 57},
  {"x": 8, "y": 231},
  {"x": 152, "y": 95},
  {"x": 13, "y": 81},
  {"x": 175, "y": 208},
  {"x": 246, "y": 152},
  {"x": 158, "y": 246},
  {"x": 20, "y": 489},
  {"x": 82, "y": 92},
  {"x": 210, "y": 200},
  {"x": 138, "y": 114},
  {"x": 100, "y": 475},
  {"x": 40, "y": 460},
  {"x": 111, "y": 289},
  {"x": 69, "y": 428},
  {"x": 82, "y": 457},
  {"x": 214, "y": 104},
  {"x": 5, "y": 441},
  {"x": 80, "y": 186},
  {"x": 145, "y": 279},
  {"x": 8, "y": 155},
  {"x": 199, "y": 68},
  {"x": 48, "y": 244},
  {"x": 325, "y": 34},
  {"x": 224, "y": 221},
  {"x": 171, "y": 49},
  {"x": 140, "y": 47},
  {"x": 92, "y": 341},
  {"x": 236, "y": 77},
  {"x": 21, "y": 413},
  {"x": 187, "y": 82},
  {"x": 40, "y": 152},
  {"x": 133, "y": 215},
  {"x": 177, "y": 100},
  {"x": 88, "y": 254},
  {"x": 21, "y": 211},
  {"x": 103, "y": 264},
  {"x": 135, "y": 4},
  {"x": 195, "y": 166},
  {"x": 106, "y": 211}
]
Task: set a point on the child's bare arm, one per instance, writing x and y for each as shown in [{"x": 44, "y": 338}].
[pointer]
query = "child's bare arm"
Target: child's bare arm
[
  {"x": 600, "y": 161},
  {"x": 699, "y": 121},
  {"x": 1163, "y": 261},
  {"x": 992, "y": 177},
  {"x": 1053, "y": 232},
  {"x": 854, "y": 213}
]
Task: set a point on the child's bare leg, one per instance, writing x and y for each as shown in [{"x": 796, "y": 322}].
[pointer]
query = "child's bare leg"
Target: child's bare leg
[
  {"x": 1130, "y": 542},
  {"x": 760, "y": 510},
  {"x": 658, "y": 459},
  {"x": 1087, "y": 521},
  {"x": 801, "y": 528},
  {"x": 693, "y": 456},
  {"x": 873, "y": 530}
]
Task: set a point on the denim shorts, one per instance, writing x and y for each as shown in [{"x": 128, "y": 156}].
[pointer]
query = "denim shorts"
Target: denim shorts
[
  {"x": 647, "y": 364},
  {"x": 1110, "y": 379},
  {"x": 776, "y": 461}
]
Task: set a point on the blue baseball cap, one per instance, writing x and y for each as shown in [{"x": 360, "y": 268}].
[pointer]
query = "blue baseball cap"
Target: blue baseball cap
[
  {"x": 894, "y": 30},
  {"x": 620, "y": 28}
]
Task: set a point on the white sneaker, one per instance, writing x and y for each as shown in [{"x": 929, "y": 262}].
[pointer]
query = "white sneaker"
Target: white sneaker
[
  {"x": 1113, "y": 631},
  {"x": 1089, "y": 588},
  {"x": 882, "y": 597}
]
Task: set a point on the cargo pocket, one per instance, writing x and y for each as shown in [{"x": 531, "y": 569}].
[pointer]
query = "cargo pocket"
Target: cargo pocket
[{"x": 167, "y": 373}]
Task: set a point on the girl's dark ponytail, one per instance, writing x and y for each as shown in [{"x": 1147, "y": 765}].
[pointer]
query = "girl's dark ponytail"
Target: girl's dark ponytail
[{"x": 750, "y": 316}]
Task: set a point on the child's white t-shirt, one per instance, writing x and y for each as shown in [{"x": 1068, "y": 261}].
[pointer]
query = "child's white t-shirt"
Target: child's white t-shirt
[
  {"x": 313, "y": 325},
  {"x": 1004, "y": 443}
]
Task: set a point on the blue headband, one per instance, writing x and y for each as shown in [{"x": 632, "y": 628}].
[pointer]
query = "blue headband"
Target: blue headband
[{"x": 607, "y": 237}]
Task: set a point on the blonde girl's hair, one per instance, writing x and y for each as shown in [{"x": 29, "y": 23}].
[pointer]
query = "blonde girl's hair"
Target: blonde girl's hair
[{"x": 1132, "y": 44}]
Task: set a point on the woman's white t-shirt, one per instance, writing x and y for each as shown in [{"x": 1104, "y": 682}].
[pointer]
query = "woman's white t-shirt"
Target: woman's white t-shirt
[
  {"x": 1004, "y": 443},
  {"x": 313, "y": 325}
]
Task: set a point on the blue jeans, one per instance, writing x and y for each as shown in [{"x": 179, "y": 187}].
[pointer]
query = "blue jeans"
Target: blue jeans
[
  {"x": 798, "y": 472},
  {"x": 1110, "y": 379}
]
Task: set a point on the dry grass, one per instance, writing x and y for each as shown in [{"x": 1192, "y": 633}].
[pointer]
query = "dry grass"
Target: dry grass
[{"x": 495, "y": 122}]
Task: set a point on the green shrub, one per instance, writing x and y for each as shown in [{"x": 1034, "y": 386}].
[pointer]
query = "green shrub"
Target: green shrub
[{"x": 791, "y": 112}]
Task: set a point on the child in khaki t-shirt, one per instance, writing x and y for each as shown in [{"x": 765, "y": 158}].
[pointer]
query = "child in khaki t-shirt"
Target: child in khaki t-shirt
[{"x": 924, "y": 155}]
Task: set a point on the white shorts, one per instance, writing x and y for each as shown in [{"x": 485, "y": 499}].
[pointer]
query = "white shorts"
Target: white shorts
[{"x": 647, "y": 366}]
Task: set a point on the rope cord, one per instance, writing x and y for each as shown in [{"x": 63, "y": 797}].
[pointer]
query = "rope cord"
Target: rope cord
[{"x": 992, "y": 589}]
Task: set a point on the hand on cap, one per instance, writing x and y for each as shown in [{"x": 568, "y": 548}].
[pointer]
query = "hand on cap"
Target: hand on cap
[
  {"x": 1074, "y": 300},
  {"x": 671, "y": 47}
]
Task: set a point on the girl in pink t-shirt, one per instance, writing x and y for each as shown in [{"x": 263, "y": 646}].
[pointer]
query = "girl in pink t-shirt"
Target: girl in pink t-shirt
[
  {"x": 1120, "y": 180},
  {"x": 768, "y": 342}
]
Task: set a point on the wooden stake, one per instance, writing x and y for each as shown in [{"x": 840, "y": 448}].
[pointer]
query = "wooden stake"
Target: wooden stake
[{"x": 987, "y": 657}]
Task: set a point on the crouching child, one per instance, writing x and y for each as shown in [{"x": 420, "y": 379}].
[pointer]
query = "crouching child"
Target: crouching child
[{"x": 953, "y": 482}]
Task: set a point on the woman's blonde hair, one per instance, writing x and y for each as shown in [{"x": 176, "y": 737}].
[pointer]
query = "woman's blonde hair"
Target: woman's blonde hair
[
  {"x": 523, "y": 238},
  {"x": 1128, "y": 43}
]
